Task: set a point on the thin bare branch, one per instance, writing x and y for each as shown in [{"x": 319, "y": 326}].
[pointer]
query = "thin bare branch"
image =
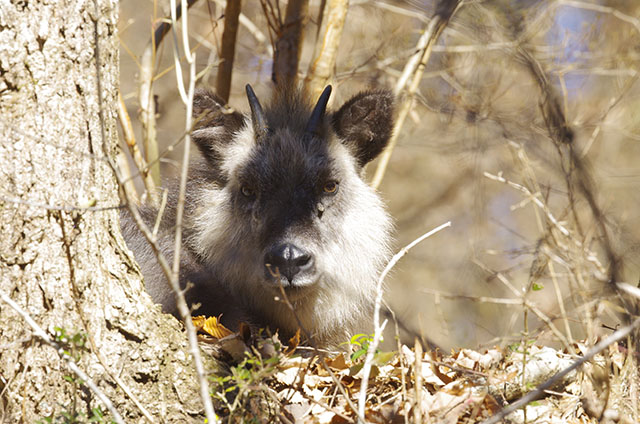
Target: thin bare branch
[
  {"x": 134, "y": 151},
  {"x": 396, "y": 8},
  {"x": 88, "y": 207},
  {"x": 577, "y": 173},
  {"x": 326, "y": 48},
  {"x": 289, "y": 44},
  {"x": 252, "y": 28},
  {"x": 414, "y": 69},
  {"x": 146, "y": 98},
  {"x": 540, "y": 390},
  {"x": 147, "y": 113},
  {"x": 228, "y": 50},
  {"x": 529, "y": 305},
  {"x": 183, "y": 308},
  {"x": 629, "y": 289},
  {"x": 481, "y": 299},
  {"x": 535, "y": 198},
  {"x": 612, "y": 104},
  {"x": 366, "y": 369},
  {"x": 602, "y": 9},
  {"x": 164, "y": 26}
]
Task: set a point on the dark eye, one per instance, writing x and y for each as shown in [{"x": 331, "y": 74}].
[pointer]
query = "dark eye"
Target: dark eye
[
  {"x": 246, "y": 191},
  {"x": 331, "y": 187}
]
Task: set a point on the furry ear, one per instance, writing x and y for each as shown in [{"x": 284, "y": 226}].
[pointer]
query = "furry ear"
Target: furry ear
[
  {"x": 214, "y": 123},
  {"x": 365, "y": 123}
]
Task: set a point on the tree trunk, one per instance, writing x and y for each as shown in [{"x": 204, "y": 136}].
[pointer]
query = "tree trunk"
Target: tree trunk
[
  {"x": 62, "y": 258},
  {"x": 228, "y": 50},
  {"x": 289, "y": 44}
]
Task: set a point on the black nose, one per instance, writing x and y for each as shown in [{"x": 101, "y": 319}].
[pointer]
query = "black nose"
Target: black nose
[{"x": 288, "y": 260}]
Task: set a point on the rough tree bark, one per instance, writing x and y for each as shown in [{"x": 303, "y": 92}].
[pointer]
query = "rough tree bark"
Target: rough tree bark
[{"x": 62, "y": 258}]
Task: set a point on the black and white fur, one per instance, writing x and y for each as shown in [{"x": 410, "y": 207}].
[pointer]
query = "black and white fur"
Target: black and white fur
[{"x": 278, "y": 198}]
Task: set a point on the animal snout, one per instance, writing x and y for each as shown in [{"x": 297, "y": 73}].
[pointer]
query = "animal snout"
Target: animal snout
[{"x": 287, "y": 260}]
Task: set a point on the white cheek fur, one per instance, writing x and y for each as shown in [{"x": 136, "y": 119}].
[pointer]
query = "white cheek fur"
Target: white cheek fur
[
  {"x": 239, "y": 151},
  {"x": 355, "y": 248}
]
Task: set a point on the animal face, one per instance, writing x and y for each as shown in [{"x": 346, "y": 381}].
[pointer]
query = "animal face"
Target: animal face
[{"x": 279, "y": 201}]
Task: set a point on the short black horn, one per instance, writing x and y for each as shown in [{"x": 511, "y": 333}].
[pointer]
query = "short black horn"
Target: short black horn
[
  {"x": 315, "y": 121},
  {"x": 257, "y": 115}
]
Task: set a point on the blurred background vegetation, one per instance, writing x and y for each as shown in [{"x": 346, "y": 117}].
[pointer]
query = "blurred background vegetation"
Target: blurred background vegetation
[{"x": 523, "y": 132}]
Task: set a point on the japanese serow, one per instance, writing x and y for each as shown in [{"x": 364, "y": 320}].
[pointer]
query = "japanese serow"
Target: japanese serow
[{"x": 278, "y": 199}]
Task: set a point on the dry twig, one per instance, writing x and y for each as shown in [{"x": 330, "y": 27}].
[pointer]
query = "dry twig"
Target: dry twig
[
  {"x": 415, "y": 68},
  {"x": 289, "y": 44},
  {"x": 366, "y": 369},
  {"x": 540, "y": 390},
  {"x": 134, "y": 151},
  {"x": 183, "y": 308},
  {"x": 228, "y": 51},
  {"x": 252, "y": 28},
  {"x": 326, "y": 48}
]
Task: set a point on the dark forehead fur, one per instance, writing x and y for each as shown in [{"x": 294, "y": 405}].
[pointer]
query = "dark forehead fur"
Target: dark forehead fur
[
  {"x": 290, "y": 110},
  {"x": 289, "y": 154},
  {"x": 288, "y": 175},
  {"x": 289, "y": 167}
]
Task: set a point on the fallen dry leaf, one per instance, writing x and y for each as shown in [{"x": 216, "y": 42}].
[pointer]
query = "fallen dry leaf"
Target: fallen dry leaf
[
  {"x": 293, "y": 343},
  {"x": 467, "y": 386},
  {"x": 338, "y": 363},
  {"x": 213, "y": 327}
]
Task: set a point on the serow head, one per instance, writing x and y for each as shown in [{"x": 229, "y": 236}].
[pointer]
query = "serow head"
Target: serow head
[{"x": 294, "y": 209}]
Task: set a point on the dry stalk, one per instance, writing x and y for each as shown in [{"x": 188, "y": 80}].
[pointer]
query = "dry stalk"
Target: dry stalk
[
  {"x": 563, "y": 311},
  {"x": 326, "y": 48},
  {"x": 134, "y": 151},
  {"x": 481, "y": 299},
  {"x": 289, "y": 44},
  {"x": 147, "y": 113},
  {"x": 417, "y": 376},
  {"x": 228, "y": 50},
  {"x": 123, "y": 164},
  {"x": 540, "y": 390},
  {"x": 414, "y": 69},
  {"x": 185, "y": 313},
  {"x": 366, "y": 369},
  {"x": 252, "y": 28},
  {"x": 403, "y": 364}
]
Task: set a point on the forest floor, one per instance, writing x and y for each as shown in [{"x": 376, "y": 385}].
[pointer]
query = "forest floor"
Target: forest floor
[{"x": 268, "y": 380}]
